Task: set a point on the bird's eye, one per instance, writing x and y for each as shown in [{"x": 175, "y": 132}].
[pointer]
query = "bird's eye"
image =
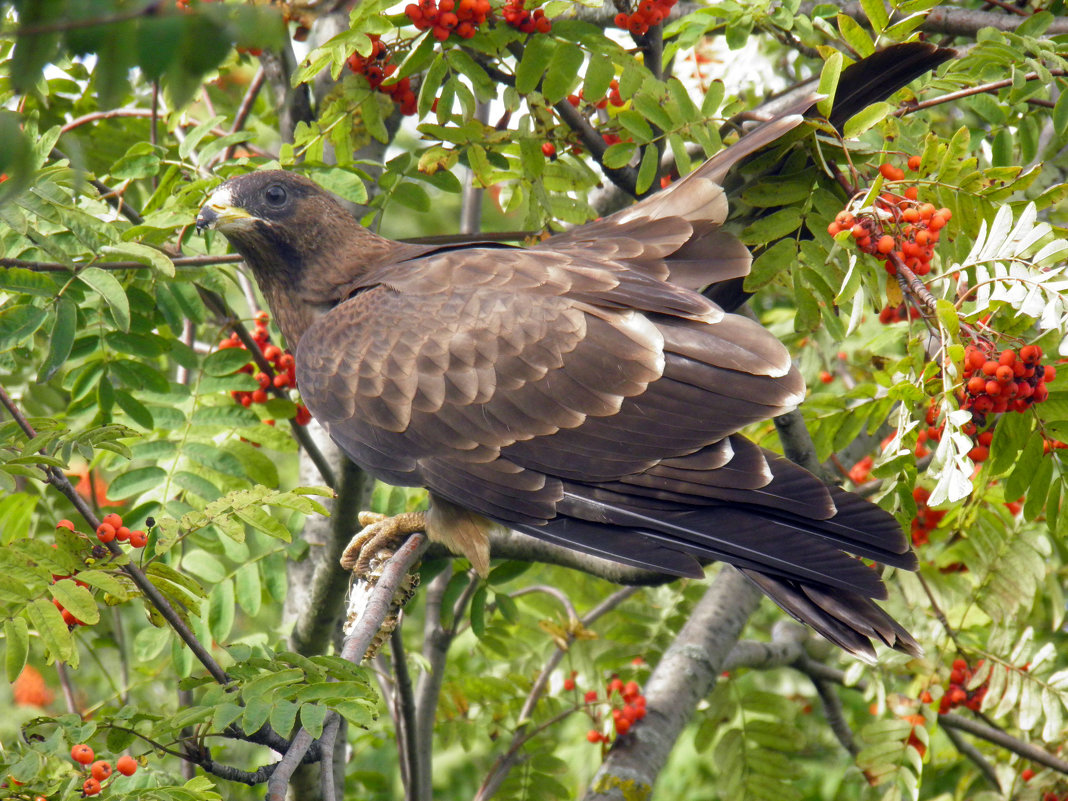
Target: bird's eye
[{"x": 276, "y": 195}]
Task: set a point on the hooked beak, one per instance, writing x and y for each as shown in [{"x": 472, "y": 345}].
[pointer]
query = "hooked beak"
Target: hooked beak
[{"x": 219, "y": 212}]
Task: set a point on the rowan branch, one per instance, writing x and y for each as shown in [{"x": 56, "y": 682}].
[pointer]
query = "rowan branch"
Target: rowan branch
[{"x": 57, "y": 479}]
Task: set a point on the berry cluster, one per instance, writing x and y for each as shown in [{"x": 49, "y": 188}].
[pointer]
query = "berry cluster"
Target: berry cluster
[
  {"x": 525, "y": 21},
  {"x": 444, "y": 17},
  {"x": 646, "y": 15},
  {"x": 926, "y": 519},
  {"x": 956, "y": 693},
  {"x": 100, "y": 770},
  {"x": 899, "y": 229},
  {"x": 376, "y": 68},
  {"x": 111, "y": 529},
  {"x": 282, "y": 362},
  {"x": 898, "y": 314},
  {"x": 626, "y": 704},
  {"x": 996, "y": 382}
]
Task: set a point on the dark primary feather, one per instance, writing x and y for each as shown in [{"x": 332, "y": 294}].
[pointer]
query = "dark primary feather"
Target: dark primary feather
[{"x": 581, "y": 390}]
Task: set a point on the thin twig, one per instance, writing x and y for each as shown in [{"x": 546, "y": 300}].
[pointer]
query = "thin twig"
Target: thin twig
[
  {"x": 984, "y": 88},
  {"x": 68, "y": 690},
  {"x": 243, "y": 111},
  {"x": 405, "y": 705}
]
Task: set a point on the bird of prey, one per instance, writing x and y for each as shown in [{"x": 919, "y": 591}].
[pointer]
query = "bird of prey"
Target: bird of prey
[{"x": 582, "y": 390}]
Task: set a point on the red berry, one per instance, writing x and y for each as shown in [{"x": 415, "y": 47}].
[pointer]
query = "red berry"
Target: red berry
[
  {"x": 65, "y": 524},
  {"x": 82, "y": 753},
  {"x": 1027, "y": 774},
  {"x": 123, "y": 534},
  {"x": 591, "y": 696},
  {"x": 105, "y": 532},
  {"x": 549, "y": 149},
  {"x": 826, "y": 377},
  {"x": 569, "y": 684},
  {"x": 126, "y": 765},
  {"x": 100, "y": 770},
  {"x": 91, "y": 787},
  {"x": 113, "y": 519},
  {"x": 593, "y": 736},
  {"x": 885, "y": 244},
  {"x": 138, "y": 539},
  {"x": 914, "y": 163}
]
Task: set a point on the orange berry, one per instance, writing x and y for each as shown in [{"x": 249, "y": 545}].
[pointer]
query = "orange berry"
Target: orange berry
[
  {"x": 91, "y": 787},
  {"x": 1050, "y": 373},
  {"x": 126, "y": 765},
  {"x": 885, "y": 244},
  {"x": 82, "y": 753},
  {"x": 622, "y": 725},
  {"x": 990, "y": 367},
  {"x": 65, "y": 524},
  {"x": 826, "y": 377},
  {"x": 912, "y": 193},
  {"x": 113, "y": 519},
  {"x": 1004, "y": 374},
  {"x": 138, "y": 539},
  {"x": 123, "y": 534},
  {"x": 833, "y": 228},
  {"x": 105, "y": 532},
  {"x": 914, "y": 163},
  {"x": 976, "y": 385},
  {"x": 889, "y": 171},
  {"x": 100, "y": 770}
]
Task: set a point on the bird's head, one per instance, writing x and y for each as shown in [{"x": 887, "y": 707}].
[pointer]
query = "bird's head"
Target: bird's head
[
  {"x": 272, "y": 209},
  {"x": 300, "y": 242}
]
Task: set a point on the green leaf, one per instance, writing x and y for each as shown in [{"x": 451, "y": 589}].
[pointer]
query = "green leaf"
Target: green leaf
[
  {"x": 151, "y": 257},
  {"x": 59, "y": 346},
  {"x": 775, "y": 226},
  {"x": 247, "y": 588},
  {"x": 563, "y": 72},
  {"x": 221, "y": 607},
  {"x": 16, "y": 646},
  {"x": 647, "y": 169},
  {"x": 536, "y": 56},
  {"x": 855, "y": 36},
  {"x": 619, "y": 155},
  {"x": 18, "y": 322},
  {"x": 135, "y": 409},
  {"x": 109, "y": 288},
  {"x": 832, "y": 69},
  {"x": 875, "y": 10},
  {"x": 1026, "y": 467},
  {"x": 137, "y": 481},
  {"x": 226, "y": 362},
  {"x": 76, "y": 600},
  {"x": 312, "y": 717},
  {"x": 53, "y": 632},
  {"x": 866, "y": 118}
]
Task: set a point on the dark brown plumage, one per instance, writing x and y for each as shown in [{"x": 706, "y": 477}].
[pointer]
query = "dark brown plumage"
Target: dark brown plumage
[{"x": 582, "y": 390}]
